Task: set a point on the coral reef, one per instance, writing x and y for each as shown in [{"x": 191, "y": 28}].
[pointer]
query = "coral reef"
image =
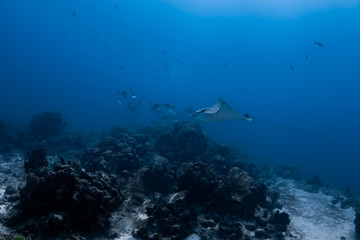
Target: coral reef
[
  {"x": 175, "y": 178},
  {"x": 47, "y": 131},
  {"x": 5, "y": 139},
  {"x": 357, "y": 222},
  {"x": 188, "y": 184},
  {"x": 36, "y": 161},
  {"x": 185, "y": 142},
  {"x": 63, "y": 200}
]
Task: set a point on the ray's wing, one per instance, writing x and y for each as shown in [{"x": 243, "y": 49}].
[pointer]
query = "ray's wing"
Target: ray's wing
[
  {"x": 222, "y": 111},
  {"x": 216, "y": 108}
]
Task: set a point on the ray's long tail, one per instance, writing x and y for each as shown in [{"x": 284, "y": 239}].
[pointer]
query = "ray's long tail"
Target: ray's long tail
[{"x": 293, "y": 129}]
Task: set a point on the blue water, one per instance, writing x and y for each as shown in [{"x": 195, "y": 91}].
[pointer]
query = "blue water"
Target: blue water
[{"x": 73, "y": 56}]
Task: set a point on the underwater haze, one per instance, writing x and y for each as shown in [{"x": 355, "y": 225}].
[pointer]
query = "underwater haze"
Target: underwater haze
[{"x": 106, "y": 63}]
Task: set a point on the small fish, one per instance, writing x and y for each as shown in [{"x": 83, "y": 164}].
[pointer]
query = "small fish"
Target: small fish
[
  {"x": 130, "y": 40},
  {"x": 167, "y": 106},
  {"x": 181, "y": 62},
  {"x": 132, "y": 92},
  {"x": 74, "y": 13},
  {"x": 166, "y": 66},
  {"x": 156, "y": 108},
  {"x": 163, "y": 52},
  {"x": 226, "y": 65},
  {"x": 123, "y": 94},
  {"x": 116, "y": 7},
  {"x": 165, "y": 118},
  {"x": 189, "y": 110},
  {"x": 121, "y": 67},
  {"x": 171, "y": 113},
  {"x": 134, "y": 104},
  {"x": 291, "y": 67},
  {"x": 319, "y": 44},
  {"x": 306, "y": 56},
  {"x": 250, "y": 65},
  {"x": 207, "y": 65},
  {"x": 119, "y": 102}
]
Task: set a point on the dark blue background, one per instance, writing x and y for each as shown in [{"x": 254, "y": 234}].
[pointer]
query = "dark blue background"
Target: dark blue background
[{"x": 51, "y": 60}]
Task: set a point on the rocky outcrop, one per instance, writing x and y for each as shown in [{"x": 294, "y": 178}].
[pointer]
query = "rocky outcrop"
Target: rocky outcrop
[
  {"x": 357, "y": 222},
  {"x": 63, "y": 200},
  {"x": 36, "y": 161},
  {"x": 178, "y": 180}
]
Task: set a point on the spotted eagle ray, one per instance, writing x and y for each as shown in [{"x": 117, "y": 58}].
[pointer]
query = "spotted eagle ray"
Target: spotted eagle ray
[{"x": 222, "y": 111}]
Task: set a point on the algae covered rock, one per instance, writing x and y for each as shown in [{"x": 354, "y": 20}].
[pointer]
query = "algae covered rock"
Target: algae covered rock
[{"x": 64, "y": 200}]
